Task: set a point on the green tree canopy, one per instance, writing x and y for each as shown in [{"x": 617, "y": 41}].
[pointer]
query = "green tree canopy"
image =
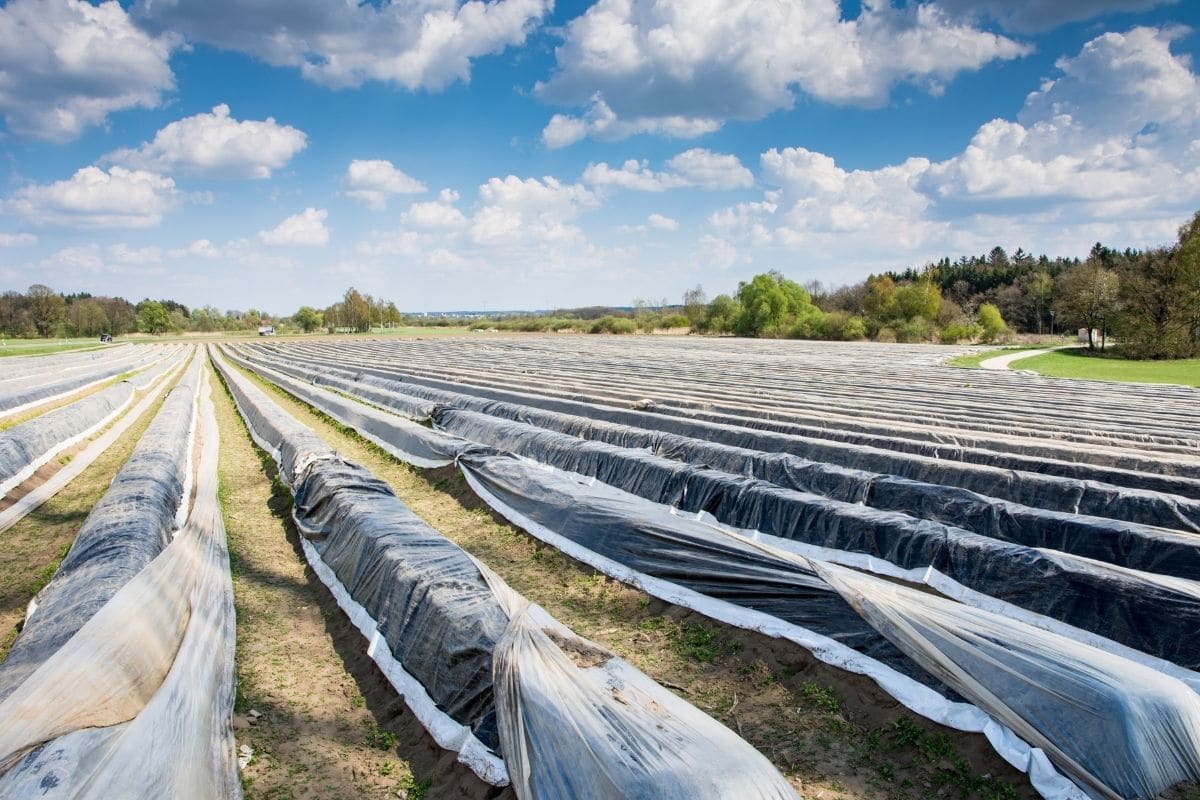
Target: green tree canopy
[
  {"x": 308, "y": 318},
  {"x": 720, "y": 314},
  {"x": 1087, "y": 296},
  {"x": 152, "y": 317},
  {"x": 991, "y": 322},
  {"x": 47, "y": 308},
  {"x": 770, "y": 303}
]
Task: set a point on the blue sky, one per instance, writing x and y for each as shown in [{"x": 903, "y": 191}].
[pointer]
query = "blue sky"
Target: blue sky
[{"x": 528, "y": 154}]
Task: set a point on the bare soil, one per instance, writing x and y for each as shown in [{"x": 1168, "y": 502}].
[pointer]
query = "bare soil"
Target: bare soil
[
  {"x": 834, "y": 735},
  {"x": 321, "y": 719}
]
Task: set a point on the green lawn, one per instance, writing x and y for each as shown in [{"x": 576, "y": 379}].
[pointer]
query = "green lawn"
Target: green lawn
[{"x": 1082, "y": 364}]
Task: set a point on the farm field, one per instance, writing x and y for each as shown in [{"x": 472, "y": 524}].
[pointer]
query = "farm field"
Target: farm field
[
  {"x": 463, "y": 566},
  {"x": 38, "y": 347}
]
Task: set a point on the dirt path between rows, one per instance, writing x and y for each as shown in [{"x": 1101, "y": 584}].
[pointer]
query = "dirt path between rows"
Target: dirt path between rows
[
  {"x": 833, "y": 734},
  {"x": 318, "y": 715}
]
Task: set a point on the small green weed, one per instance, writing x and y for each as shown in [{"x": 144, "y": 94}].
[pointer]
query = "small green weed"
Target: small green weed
[
  {"x": 412, "y": 789},
  {"x": 380, "y": 739},
  {"x": 821, "y": 698},
  {"x": 695, "y": 643}
]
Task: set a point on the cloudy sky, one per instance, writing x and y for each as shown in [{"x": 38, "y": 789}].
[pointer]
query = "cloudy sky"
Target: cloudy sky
[{"x": 533, "y": 153}]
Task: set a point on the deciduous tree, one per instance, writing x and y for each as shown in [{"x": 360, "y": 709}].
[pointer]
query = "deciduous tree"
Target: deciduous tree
[{"x": 1087, "y": 295}]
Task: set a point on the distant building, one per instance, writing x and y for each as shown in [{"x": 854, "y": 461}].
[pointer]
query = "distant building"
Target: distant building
[{"x": 266, "y": 330}]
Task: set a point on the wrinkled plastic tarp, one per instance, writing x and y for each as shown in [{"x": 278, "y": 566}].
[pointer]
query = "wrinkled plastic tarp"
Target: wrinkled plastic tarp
[
  {"x": 1146, "y": 612},
  {"x": 1023, "y": 506},
  {"x": 138, "y": 702},
  {"x": 125, "y": 531},
  {"x": 25, "y": 447},
  {"x": 1030, "y": 488},
  {"x": 1120, "y": 729},
  {"x": 22, "y": 393},
  {"x": 446, "y": 618}
]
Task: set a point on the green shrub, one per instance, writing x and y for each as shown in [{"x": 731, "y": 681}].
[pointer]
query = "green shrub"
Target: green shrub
[
  {"x": 677, "y": 321},
  {"x": 855, "y": 329},
  {"x": 991, "y": 322},
  {"x": 810, "y": 323},
  {"x": 958, "y": 332},
  {"x": 919, "y": 329},
  {"x": 840, "y": 326},
  {"x": 886, "y": 335},
  {"x": 611, "y": 324}
]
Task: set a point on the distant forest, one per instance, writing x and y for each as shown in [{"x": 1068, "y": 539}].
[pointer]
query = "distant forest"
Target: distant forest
[{"x": 1147, "y": 299}]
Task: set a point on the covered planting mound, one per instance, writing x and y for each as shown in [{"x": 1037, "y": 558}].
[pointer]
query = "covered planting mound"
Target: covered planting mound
[{"x": 1053, "y": 522}]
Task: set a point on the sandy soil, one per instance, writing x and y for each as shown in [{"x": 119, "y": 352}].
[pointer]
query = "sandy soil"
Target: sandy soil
[
  {"x": 834, "y": 735},
  {"x": 321, "y": 719}
]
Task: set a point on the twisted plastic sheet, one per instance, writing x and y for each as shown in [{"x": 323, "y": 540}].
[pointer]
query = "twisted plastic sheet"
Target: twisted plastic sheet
[
  {"x": 972, "y": 492},
  {"x": 488, "y": 659},
  {"x": 138, "y": 701},
  {"x": 22, "y": 393},
  {"x": 126, "y": 530},
  {"x": 1049, "y": 688}
]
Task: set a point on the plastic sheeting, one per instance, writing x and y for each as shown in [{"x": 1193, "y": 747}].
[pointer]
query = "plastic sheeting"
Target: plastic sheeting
[
  {"x": 555, "y": 709},
  {"x": 1068, "y": 495},
  {"x": 25, "y": 447},
  {"x": 94, "y": 448},
  {"x": 433, "y": 607},
  {"x": 20, "y": 394},
  {"x": 1143, "y": 611},
  {"x": 682, "y": 550},
  {"x": 1120, "y": 729},
  {"x": 652, "y": 547},
  {"x": 1125, "y": 544},
  {"x": 125, "y": 531},
  {"x": 456, "y": 627},
  {"x": 1093, "y": 597},
  {"x": 417, "y": 445},
  {"x": 138, "y": 702}
]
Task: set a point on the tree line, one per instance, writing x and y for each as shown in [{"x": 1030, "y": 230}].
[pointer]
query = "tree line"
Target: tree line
[
  {"x": 43, "y": 312},
  {"x": 1148, "y": 299}
]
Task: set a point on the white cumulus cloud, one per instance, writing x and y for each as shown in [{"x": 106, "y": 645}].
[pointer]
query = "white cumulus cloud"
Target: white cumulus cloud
[
  {"x": 1106, "y": 149},
  {"x": 416, "y": 44},
  {"x": 698, "y": 168},
  {"x": 601, "y": 122},
  {"x": 95, "y": 198},
  {"x": 372, "y": 182},
  {"x": 306, "y": 229},
  {"x": 440, "y": 213},
  {"x": 67, "y": 64},
  {"x": 514, "y": 210},
  {"x": 1120, "y": 122},
  {"x": 663, "y": 66},
  {"x": 216, "y": 144},
  {"x": 17, "y": 239}
]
